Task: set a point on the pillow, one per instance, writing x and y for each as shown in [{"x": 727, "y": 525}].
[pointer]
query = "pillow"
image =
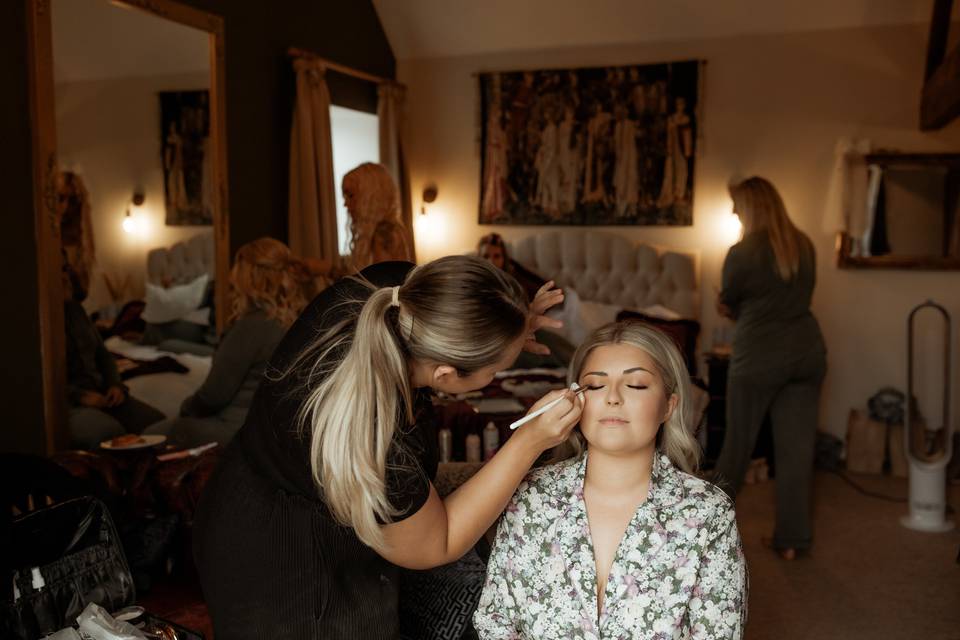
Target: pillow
[
  {"x": 580, "y": 317},
  {"x": 173, "y": 303},
  {"x": 684, "y": 333}
]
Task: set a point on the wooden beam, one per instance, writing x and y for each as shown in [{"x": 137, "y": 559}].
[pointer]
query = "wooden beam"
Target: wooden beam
[
  {"x": 939, "y": 32},
  {"x": 940, "y": 100}
]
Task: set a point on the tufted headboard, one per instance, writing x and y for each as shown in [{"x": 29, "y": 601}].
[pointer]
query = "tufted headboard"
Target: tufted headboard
[
  {"x": 607, "y": 268},
  {"x": 183, "y": 262}
]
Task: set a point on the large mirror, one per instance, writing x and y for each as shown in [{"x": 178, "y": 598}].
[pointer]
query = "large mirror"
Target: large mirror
[
  {"x": 902, "y": 211},
  {"x": 131, "y": 189}
]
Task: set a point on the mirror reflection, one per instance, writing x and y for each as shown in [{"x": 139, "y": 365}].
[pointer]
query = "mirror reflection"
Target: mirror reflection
[{"x": 137, "y": 206}]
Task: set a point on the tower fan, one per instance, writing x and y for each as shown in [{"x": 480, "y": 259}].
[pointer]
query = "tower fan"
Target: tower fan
[{"x": 928, "y": 450}]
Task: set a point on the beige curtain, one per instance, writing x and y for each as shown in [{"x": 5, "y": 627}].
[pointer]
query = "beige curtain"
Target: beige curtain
[
  {"x": 313, "y": 212},
  {"x": 390, "y": 105}
]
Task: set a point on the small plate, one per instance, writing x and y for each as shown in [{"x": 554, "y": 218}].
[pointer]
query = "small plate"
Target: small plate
[
  {"x": 149, "y": 440},
  {"x": 129, "y": 613}
]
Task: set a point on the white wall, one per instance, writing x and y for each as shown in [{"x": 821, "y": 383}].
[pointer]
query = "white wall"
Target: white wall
[
  {"x": 773, "y": 106},
  {"x": 109, "y": 131}
]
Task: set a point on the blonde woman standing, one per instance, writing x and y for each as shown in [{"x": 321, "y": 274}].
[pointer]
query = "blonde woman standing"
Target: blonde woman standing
[
  {"x": 779, "y": 357},
  {"x": 268, "y": 289},
  {"x": 327, "y": 489},
  {"x": 377, "y": 232},
  {"x": 621, "y": 540}
]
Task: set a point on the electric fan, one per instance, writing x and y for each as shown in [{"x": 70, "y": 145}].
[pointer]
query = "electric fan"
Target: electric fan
[{"x": 928, "y": 450}]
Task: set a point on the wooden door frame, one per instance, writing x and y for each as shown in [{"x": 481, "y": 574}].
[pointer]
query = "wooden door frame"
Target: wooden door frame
[{"x": 46, "y": 224}]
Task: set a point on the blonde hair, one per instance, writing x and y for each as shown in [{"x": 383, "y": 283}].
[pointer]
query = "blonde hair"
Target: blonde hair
[
  {"x": 460, "y": 311},
  {"x": 761, "y": 208},
  {"x": 266, "y": 276},
  {"x": 675, "y": 438},
  {"x": 376, "y": 216}
]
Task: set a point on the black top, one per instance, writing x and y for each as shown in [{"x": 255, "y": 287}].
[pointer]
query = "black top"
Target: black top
[
  {"x": 270, "y": 437},
  {"x": 90, "y": 367},
  {"x": 272, "y": 561}
]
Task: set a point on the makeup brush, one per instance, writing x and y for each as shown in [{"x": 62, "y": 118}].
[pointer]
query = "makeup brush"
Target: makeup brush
[{"x": 577, "y": 390}]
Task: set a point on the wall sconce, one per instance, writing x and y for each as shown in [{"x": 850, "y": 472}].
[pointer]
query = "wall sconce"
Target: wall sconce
[
  {"x": 130, "y": 223},
  {"x": 429, "y": 196}
]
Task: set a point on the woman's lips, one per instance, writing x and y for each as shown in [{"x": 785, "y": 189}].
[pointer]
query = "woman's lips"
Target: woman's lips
[{"x": 611, "y": 420}]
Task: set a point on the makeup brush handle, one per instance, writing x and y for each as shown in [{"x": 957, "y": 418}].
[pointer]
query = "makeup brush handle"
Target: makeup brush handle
[{"x": 542, "y": 410}]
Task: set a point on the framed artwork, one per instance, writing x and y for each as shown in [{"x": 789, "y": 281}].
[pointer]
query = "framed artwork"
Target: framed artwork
[
  {"x": 593, "y": 146},
  {"x": 188, "y": 180}
]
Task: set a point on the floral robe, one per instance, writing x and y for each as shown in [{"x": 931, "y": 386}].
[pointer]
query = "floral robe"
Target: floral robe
[{"x": 679, "y": 571}]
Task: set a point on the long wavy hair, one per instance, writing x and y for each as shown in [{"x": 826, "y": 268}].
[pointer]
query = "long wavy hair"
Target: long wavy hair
[
  {"x": 675, "y": 438},
  {"x": 761, "y": 208},
  {"x": 266, "y": 276},
  {"x": 459, "y": 310},
  {"x": 376, "y": 215}
]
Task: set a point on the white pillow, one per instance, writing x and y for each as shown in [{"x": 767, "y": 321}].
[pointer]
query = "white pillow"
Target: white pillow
[
  {"x": 580, "y": 317},
  {"x": 173, "y": 303}
]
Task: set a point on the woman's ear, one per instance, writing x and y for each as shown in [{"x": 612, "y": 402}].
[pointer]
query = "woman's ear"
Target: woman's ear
[
  {"x": 672, "y": 403},
  {"x": 443, "y": 374}
]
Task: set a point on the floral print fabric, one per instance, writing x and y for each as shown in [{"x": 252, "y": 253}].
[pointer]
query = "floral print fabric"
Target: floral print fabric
[{"x": 679, "y": 571}]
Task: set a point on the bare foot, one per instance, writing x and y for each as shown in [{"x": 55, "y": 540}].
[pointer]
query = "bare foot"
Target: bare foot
[{"x": 788, "y": 553}]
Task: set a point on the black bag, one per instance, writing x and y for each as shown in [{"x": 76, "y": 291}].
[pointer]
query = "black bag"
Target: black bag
[{"x": 74, "y": 549}]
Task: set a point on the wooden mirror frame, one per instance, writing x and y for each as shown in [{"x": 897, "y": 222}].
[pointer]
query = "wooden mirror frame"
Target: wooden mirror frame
[
  {"x": 47, "y": 231},
  {"x": 928, "y": 263}
]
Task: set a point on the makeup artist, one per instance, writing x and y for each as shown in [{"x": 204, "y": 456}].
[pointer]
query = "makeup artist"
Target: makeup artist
[{"x": 327, "y": 488}]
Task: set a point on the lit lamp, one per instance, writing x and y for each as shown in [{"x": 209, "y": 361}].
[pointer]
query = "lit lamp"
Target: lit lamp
[
  {"x": 429, "y": 196},
  {"x": 430, "y": 229},
  {"x": 130, "y": 223}
]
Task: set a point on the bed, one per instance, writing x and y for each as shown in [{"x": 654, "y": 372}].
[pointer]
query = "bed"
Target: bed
[
  {"x": 606, "y": 278},
  {"x": 185, "y": 340}
]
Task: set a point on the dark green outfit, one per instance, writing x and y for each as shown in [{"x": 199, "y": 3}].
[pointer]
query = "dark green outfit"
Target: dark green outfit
[
  {"x": 216, "y": 411},
  {"x": 90, "y": 367},
  {"x": 778, "y": 366}
]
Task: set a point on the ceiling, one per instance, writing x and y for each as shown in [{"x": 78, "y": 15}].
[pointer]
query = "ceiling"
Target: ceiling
[
  {"x": 441, "y": 28},
  {"x": 97, "y": 39}
]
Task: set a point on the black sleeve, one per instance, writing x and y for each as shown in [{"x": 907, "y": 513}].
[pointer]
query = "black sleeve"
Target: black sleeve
[{"x": 412, "y": 463}]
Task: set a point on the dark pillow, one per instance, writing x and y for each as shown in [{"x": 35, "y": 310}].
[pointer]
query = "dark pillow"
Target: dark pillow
[{"x": 683, "y": 332}]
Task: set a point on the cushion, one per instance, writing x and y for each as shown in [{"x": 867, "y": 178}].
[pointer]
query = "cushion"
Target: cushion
[{"x": 174, "y": 303}]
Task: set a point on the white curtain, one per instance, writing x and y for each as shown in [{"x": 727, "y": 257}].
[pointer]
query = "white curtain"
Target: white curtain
[
  {"x": 312, "y": 213},
  {"x": 390, "y": 105}
]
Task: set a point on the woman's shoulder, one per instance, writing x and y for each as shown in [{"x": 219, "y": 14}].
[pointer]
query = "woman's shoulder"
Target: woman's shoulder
[
  {"x": 550, "y": 483},
  {"x": 711, "y": 502}
]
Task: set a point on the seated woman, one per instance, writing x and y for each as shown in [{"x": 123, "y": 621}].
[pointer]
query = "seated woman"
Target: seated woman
[
  {"x": 620, "y": 541},
  {"x": 99, "y": 405},
  {"x": 558, "y": 351},
  {"x": 268, "y": 292}
]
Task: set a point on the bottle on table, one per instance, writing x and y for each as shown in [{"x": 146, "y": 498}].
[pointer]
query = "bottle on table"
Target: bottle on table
[{"x": 491, "y": 440}]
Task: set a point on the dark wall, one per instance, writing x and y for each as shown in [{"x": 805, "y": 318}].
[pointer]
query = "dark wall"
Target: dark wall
[
  {"x": 20, "y": 382},
  {"x": 260, "y": 88}
]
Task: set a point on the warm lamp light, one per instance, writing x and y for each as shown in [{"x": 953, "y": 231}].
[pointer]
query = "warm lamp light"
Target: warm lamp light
[
  {"x": 730, "y": 227},
  {"x": 131, "y": 224}
]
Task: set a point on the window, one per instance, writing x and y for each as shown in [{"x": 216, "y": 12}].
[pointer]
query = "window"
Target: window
[{"x": 356, "y": 139}]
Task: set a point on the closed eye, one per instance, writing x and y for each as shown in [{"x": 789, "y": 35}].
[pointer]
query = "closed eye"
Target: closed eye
[
  {"x": 633, "y": 386},
  {"x": 591, "y": 387}
]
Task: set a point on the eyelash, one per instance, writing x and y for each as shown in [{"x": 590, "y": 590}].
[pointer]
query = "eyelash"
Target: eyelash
[{"x": 596, "y": 387}]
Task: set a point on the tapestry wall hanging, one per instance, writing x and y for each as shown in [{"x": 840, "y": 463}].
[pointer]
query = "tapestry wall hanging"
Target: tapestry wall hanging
[
  {"x": 187, "y": 161},
  {"x": 595, "y": 146}
]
